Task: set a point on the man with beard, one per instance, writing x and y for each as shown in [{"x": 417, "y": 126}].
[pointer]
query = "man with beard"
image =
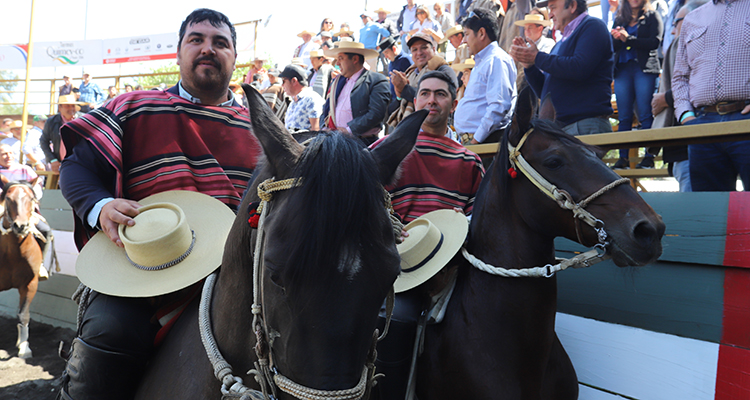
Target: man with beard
[{"x": 193, "y": 136}]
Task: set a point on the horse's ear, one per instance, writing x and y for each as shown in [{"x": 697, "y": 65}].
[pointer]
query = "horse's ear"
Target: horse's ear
[
  {"x": 392, "y": 150},
  {"x": 547, "y": 110},
  {"x": 281, "y": 150},
  {"x": 33, "y": 182},
  {"x": 526, "y": 106}
]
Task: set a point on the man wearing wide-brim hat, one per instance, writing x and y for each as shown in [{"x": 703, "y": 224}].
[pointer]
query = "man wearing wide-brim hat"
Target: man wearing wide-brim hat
[
  {"x": 321, "y": 76},
  {"x": 258, "y": 68},
  {"x": 344, "y": 32},
  {"x": 358, "y": 99},
  {"x": 533, "y": 25},
  {"x": 398, "y": 61},
  {"x": 385, "y": 22},
  {"x": 455, "y": 35},
  {"x": 303, "y": 51},
  {"x": 67, "y": 109}
]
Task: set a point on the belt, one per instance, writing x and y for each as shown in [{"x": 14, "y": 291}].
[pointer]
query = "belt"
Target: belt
[{"x": 725, "y": 107}]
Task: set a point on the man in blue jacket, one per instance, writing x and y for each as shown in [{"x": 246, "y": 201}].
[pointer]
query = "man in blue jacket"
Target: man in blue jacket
[{"x": 577, "y": 73}]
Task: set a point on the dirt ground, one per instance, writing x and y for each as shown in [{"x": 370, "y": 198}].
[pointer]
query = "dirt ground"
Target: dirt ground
[{"x": 36, "y": 378}]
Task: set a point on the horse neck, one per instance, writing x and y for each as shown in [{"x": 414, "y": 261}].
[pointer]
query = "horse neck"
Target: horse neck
[{"x": 500, "y": 236}]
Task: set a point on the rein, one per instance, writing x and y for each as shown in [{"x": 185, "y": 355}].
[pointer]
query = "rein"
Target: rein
[
  {"x": 566, "y": 202},
  {"x": 265, "y": 373}
]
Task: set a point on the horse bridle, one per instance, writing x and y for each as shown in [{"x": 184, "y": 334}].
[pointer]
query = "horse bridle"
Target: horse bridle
[
  {"x": 267, "y": 376},
  {"x": 565, "y": 201}
]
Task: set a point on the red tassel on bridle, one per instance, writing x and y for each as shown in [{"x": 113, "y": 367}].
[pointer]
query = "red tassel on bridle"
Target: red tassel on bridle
[
  {"x": 254, "y": 216},
  {"x": 512, "y": 172}
]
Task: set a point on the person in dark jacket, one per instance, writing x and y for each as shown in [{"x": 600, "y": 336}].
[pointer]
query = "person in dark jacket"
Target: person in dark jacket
[
  {"x": 637, "y": 34},
  {"x": 358, "y": 98},
  {"x": 67, "y": 108}
]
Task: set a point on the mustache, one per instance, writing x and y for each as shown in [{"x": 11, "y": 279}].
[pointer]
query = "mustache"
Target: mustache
[{"x": 213, "y": 60}]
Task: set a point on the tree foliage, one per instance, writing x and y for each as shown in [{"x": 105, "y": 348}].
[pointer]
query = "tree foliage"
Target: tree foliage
[
  {"x": 171, "y": 79},
  {"x": 6, "y": 84}
]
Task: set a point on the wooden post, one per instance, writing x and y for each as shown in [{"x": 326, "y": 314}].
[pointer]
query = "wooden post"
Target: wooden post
[{"x": 25, "y": 112}]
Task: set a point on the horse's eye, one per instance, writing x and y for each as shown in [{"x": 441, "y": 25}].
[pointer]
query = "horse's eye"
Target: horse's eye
[
  {"x": 274, "y": 273},
  {"x": 553, "y": 163}
]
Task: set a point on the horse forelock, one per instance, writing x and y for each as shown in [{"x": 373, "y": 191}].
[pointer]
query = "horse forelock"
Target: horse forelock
[{"x": 337, "y": 217}]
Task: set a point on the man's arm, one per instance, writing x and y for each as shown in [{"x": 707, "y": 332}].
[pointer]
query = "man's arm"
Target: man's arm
[
  {"x": 45, "y": 141},
  {"x": 380, "y": 94},
  {"x": 680, "y": 81},
  {"x": 501, "y": 89},
  {"x": 594, "y": 44}
]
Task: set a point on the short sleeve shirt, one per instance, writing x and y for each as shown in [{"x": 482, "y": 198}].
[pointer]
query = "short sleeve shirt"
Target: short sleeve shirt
[{"x": 307, "y": 104}]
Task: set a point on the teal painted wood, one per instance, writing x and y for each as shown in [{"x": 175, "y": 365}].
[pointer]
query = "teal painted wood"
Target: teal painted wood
[
  {"x": 674, "y": 298},
  {"x": 56, "y": 210}
]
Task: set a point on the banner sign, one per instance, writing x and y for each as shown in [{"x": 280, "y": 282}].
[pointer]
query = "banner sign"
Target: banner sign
[
  {"x": 58, "y": 54},
  {"x": 13, "y": 56},
  {"x": 140, "y": 48}
]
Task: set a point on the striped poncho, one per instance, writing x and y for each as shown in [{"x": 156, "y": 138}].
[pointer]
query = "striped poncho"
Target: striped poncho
[
  {"x": 157, "y": 141},
  {"x": 438, "y": 174}
]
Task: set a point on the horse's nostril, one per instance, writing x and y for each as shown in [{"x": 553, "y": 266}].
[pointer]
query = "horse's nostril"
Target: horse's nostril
[{"x": 645, "y": 233}]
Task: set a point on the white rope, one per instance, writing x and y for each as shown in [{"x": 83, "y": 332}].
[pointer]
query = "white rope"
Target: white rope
[
  {"x": 582, "y": 260},
  {"x": 305, "y": 393}
]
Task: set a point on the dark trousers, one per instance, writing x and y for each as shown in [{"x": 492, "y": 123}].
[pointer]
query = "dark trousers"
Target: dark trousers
[
  {"x": 714, "y": 166},
  {"x": 120, "y": 324}
]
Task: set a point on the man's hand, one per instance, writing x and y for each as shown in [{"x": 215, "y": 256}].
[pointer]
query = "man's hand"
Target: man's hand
[
  {"x": 55, "y": 165},
  {"x": 745, "y": 110},
  {"x": 523, "y": 52},
  {"x": 473, "y": 141},
  {"x": 658, "y": 103},
  {"x": 116, "y": 212},
  {"x": 399, "y": 81}
]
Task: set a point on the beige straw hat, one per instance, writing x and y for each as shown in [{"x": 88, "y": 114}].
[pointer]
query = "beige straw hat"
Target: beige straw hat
[
  {"x": 434, "y": 238},
  {"x": 467, "y": 64},
  {"x": 351, "y": 47},
  {"x": 70, "y": 99},
  {"x": 177, "y": 240},
  {"x": 533, "y": 19}
]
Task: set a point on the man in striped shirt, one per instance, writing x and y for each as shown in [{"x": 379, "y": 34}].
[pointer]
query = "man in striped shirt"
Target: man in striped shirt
[
  {"x": 440, "y": 172},
  {"x": 193, "y": 136}
]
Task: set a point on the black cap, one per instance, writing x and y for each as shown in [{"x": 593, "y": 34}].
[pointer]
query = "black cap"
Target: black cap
[
  {"x": 386, "y": 43},
  {"x": 294, "y": 71}
]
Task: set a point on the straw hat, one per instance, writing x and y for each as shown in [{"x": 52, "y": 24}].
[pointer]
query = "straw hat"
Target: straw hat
[
  {"x": 533, "y": 19},
  {"x": 16, "y": 124},
  {"x": 317, "y": 53},
  {"x": 434, "y": 238},
  {"x": 380, "y": 10},
  {"x": 305, "y": 32},
  {"x": 70, "y": 99},
  {"x": 467, "y": 64},
  {"x": 451, "y": 31},
  {"x": 343, "y": 31},
  {"x": 182, "y": 232},
  {"x": 351, "y": 47},
  {"x": 298, "y": 61}
]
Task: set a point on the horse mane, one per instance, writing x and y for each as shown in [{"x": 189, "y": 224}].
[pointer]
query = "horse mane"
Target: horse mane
[
  {"x": 334, "y": 221},
  {"x": 10, "y": 184}
]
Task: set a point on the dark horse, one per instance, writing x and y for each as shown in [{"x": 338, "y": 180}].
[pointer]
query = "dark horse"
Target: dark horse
[
  {"x": 20, "y": 254},
  {"x": 328, "y": 262},
  {"x": 498, "y": 339}
]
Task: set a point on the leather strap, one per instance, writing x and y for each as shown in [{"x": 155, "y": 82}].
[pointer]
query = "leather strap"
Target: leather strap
[{"x": 725, "y": 107}]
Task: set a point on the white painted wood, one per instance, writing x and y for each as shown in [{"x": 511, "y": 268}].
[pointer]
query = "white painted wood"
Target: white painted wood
[{"x": 638, "y": 363}]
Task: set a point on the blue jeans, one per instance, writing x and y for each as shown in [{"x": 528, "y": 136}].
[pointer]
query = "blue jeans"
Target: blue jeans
[
  {"x": 633, "y": 87},
  {"x": 588, "y": 126},
  {"x": 681, "y": 172},
  {"x": 714, "y": 166}
]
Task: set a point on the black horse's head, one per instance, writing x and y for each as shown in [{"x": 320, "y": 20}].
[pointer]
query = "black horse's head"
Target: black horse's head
[
  {"x": 634, "y": 230},
  {"x": 329, "y": 256}
]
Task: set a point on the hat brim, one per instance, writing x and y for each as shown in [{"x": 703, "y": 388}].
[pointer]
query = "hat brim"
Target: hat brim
[
  {"x": 462, "y": 66},
  {"x": 340, "y": 32},
  {"x": 525, "y": 22},
  {"x": 366, "y": 53},
  {"x": 104, "y": 267},
  {"x": 454, "y": 226}
]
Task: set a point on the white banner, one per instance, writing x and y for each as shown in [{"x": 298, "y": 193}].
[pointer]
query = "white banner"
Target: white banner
[
  {"x": 140, "y": 48},
  {"x": 57, "y": 54}
]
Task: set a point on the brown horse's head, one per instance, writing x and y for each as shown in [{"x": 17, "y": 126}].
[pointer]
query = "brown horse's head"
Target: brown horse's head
[
  {"x": 329, "y": 256},
  {"x": 18, "y": 200},
  {"x": 633, "y": 229}
]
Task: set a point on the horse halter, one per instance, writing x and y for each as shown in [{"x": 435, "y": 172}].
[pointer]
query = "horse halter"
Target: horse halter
[
  {"x": 566, "y": 202},
  {"x": 265, "y": 373}
]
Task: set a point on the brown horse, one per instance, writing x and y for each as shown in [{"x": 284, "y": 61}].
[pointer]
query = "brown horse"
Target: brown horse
[
  {"x": 327, "y": 262},
  {"x": 20, "y": 255},
  {"x": 498, "y": 339}
]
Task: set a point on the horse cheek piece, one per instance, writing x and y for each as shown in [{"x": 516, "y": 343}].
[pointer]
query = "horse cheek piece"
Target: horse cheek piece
[
  {"x": 307, "y": 264},
  {"x": 20, "y": 254},
  {"x": 561, "y": 189}
]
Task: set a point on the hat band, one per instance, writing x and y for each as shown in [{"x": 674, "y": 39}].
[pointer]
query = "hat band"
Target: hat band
[
  {"x": 428, "y": 258},
  {"x": 166, "y": 264}
]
